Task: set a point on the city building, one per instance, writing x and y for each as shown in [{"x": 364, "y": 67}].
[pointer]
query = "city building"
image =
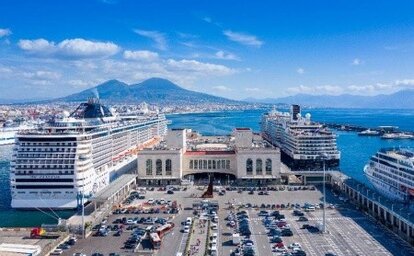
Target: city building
[{"x": 187, "y": 155}]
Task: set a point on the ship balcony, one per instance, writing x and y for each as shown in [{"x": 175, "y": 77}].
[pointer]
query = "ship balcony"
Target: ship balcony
[
  {"x": 84, "y": 151},
  {"x": 84, "y": 167},
  {"x": 305, "y": 156}
]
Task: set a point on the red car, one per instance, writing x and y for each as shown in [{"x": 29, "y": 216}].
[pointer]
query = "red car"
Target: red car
[
  {"x": 281, "y": 224},
  {"x": 279, "y": 245}
]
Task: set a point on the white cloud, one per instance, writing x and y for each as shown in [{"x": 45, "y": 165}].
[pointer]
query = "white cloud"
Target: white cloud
[
  {"x": 140, "y": 55},
  {"x": 40, "y": 82},
  {"x": 208, "y": 19},
  {"x": 79, "y": 47},
  {"x": 405, "y": 82},
  {"x": 5, "y": 32},
  {"x": 316, "y": 90},
  {"x": 187, "y": 35},
  {"x": 201, "y": 67},
  {"x": 71, "y": 48},
  {"x": 222, "y": 88},
  {"x": 242, "y": 38},
  {"x": 369, "y": 89},
  {"x": 42, "y": 75},
  {"x": 37, "y": 46},
  {"x": 226, "y": 56},
  {"x": 300, "y": 71},
  {"x": 157, "y": 37},
  {"x": 5, "y": 70},
  {"x": 252, "y": 89},
  {"x": 356, "y": 62},
  {"x": 78, "y": 83}
]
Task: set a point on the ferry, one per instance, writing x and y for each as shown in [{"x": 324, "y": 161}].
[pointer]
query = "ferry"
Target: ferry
[
  {"x": 76, "y": 156},
  {"x": 391, "y": 172},
  {"x": 397, "y": 136},
  {"x": 8, "y": 133},
  {"x": 369, "y": 132},
  {"x": 305, "y": 145}
]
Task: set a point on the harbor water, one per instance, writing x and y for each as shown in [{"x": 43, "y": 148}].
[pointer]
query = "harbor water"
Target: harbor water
[{"x": 355, "y": 150}]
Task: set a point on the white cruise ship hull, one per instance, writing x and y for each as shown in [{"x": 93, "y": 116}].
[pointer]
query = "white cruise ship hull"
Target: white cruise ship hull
[
  {"x": 54, "y": 202},
  {"x": 44, "y": 203},
  {"x": 383, "y": 188}
]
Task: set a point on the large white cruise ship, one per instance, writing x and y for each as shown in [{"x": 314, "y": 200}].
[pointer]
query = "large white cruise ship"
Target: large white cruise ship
[
  {"x": 304, "y": 144},
  {"x": 391, "y": 172},
  {"x": 80, "y": 154}
]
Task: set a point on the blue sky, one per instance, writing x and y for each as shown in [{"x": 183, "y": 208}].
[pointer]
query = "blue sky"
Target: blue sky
[{"x": 235, "y": 49}]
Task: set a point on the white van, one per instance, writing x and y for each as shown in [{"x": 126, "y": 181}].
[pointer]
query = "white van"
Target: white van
[
  {"x": 213, "y": 250},
  {"x": 310, "y": 209},
  {"x": 56, "y": 252},
  {"x": 188, "y": 221},
  {"x": 214, "y": 236}
]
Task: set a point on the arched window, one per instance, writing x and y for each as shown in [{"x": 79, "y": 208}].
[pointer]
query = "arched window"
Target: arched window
[
  {"x": 268, "y": 166},
  {"x": 158, "y": 167},
  {"x": 249, "y": 166},
  {"x": 148, "y": 167},
  {"x": 168, "y": 167},
  {"x": 259, "y": 166}
]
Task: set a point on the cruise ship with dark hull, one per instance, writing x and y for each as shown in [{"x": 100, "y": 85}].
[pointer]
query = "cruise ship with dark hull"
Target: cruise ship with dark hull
[
  {"x": 305, "y": 145},
  {"x": 57, "y": 164}
]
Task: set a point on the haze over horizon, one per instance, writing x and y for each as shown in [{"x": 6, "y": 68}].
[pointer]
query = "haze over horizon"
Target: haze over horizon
[{"x": 232, "y": 49}]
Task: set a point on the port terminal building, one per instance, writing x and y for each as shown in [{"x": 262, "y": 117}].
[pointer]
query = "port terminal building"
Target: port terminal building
[{"x": 185, "y": 155}]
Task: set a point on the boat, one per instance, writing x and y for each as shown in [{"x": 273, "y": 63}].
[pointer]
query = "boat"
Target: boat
[
  {"x": 369, "y": 132},
  {"x": 397, "y": 136},
  {"x": 8, "y": 133},
  {"x": 7, "y": 136},
  {"x": 305, "y": 145},
  {"x": 62, "y": 164},
  {"x": 391, "y": 172}
]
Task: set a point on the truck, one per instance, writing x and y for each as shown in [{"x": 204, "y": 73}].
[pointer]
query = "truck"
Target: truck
[
  {"x": 40, "y": 233},
  {"x": 164, "y": 229}
]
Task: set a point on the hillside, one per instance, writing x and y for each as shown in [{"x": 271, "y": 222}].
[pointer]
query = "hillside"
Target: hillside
[
  {"x": 153, "y": 90},
  {"x": 402, "y": 99}
]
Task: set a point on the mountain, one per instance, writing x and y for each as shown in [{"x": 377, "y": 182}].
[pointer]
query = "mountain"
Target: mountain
[
  {"x": 401, "y": 99},
  {"x": 22, "y": 101},
  {"x": 153, "y": 90}
]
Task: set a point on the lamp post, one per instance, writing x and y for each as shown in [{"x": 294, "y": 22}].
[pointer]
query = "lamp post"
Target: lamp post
[
  {"x": 83, "y": 215},
  {"x": 324, "y": 156}
]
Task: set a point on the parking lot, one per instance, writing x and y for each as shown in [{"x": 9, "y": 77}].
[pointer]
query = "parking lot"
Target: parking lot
[{"x": 349, "y": 231}]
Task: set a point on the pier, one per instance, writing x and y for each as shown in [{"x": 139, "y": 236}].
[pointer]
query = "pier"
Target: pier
[
  {"x": 397, "y": 217},
  {"x": 359, "y": 128}
]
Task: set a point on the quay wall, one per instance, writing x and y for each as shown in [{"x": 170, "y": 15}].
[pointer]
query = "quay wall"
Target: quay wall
[{"x": 397, "y": 217}]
